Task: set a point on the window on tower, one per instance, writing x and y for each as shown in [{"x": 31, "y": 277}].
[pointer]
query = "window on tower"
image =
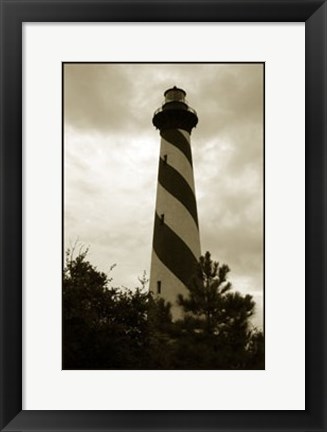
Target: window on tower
[
  {"x": 158, "y": 287},
  {"x": 162, "y": 218}
]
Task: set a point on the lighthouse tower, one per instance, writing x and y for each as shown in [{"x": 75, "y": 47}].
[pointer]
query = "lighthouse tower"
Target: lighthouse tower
[{"x": 176, "y": 240}]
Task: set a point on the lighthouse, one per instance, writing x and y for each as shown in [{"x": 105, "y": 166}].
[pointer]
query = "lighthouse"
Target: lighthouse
[{"x": 176, "y": 239}]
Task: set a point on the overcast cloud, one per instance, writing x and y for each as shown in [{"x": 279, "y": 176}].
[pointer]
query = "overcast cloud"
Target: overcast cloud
[{"x": 111, "y": 155}]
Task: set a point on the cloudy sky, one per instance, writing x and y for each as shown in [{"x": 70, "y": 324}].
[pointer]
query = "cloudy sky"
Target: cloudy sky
[{"x": 111, "y": 153}]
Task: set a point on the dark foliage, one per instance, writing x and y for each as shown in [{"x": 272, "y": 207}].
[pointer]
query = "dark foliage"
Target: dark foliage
[{"x": 111, "y": 328}]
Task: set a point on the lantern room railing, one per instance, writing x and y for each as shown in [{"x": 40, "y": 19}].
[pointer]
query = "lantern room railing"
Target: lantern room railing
[{"x": 187, "y": 108}]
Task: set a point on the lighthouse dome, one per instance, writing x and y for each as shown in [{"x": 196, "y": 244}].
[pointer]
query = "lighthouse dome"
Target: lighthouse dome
[{"x": 175, "y": 94}]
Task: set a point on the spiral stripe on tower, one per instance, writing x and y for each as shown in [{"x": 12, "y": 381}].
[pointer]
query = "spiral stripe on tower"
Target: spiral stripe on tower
[
  {"x": 176, "y": 158},
  {"x": 176, "y": 240}
]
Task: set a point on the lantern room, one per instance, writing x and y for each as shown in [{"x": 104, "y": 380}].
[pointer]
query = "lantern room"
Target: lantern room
[{"x": 175, "y": 95}]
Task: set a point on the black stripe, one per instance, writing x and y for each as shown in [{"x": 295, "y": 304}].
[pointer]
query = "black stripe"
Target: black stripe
[
  {"x": 173, "y": 252},
  {"x": 176, "y": 138},
  {"x": 176, "y": 185}
]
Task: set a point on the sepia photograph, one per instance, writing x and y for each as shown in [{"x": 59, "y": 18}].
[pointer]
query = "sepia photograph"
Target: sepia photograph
[{"x": 163, "y": 216}]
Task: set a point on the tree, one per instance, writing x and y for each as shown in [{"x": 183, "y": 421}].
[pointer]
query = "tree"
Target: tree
[
  {"x": 216, "y": 320},
  {"x": 117, "y": 328},
  {"x": 84, "y": 308},
  {"x": 103, "y": 327},
  {"x": 110, "y": 328}
]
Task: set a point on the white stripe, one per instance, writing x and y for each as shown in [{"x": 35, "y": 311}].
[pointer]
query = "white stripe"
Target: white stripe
[
  {"x": 185, "y": 133},
  {"x": 177, "y": 160},
  {"x": 178, "y": 218},
  {"x": 171, "y": 286}
]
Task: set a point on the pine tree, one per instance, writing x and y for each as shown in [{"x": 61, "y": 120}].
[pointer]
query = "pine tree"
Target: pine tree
[{"x": 216, "y": 320}]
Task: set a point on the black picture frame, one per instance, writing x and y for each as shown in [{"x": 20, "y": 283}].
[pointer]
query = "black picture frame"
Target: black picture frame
[{"x": 13, "y": 14}]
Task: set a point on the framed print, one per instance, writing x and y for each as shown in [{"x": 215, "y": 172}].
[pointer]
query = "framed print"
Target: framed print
[
  {"x": 78, "y": 72},
  {"x": 135, "y": 359}
]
